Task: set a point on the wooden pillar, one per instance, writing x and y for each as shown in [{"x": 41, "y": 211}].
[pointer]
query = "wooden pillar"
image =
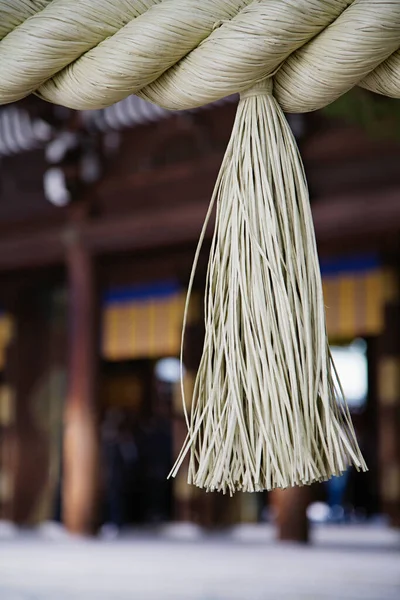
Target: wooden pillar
[
  {"x": 7, "y": 421},
  {"x": 81, "y": 443},
  {"x": 290, "y": 506},
  {"x": 389, "y": 399},
  {"x": 26, "y": 369}
]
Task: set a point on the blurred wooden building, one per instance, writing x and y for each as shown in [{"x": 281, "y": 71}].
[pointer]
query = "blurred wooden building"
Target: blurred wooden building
[{"x": 100, "y": 213}]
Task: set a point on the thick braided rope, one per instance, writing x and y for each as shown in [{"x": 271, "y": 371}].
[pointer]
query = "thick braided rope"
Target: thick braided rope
[
  {"x": 264, "y": 410},
  {"x": 185, "y": 53}
]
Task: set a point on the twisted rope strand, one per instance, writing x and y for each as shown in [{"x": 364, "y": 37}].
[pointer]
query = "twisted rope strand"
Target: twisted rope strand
[
  {"x": 361, "y": 38},
  {"x": 242, "y": 51},
  {"x": 385, "y": 78},
  {"x": 15, "y": 12},
  {"x": 156, "y": 40},
  {"x": 57, "y": 36},
  {"x": 185, "y": 53}
]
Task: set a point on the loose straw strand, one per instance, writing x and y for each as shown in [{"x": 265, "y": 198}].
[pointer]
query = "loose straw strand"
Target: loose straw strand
[{"x": 264, "y": 409}]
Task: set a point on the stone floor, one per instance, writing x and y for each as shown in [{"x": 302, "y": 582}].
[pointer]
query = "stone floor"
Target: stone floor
[{"x": 180, "y": 563}]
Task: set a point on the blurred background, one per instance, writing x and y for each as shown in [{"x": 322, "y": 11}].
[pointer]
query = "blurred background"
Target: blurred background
[{"x": 100, "y": 213}]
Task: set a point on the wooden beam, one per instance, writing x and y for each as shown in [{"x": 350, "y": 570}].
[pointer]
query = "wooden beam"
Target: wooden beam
[
  {"x": 41, "y": 248},
  {"x": 346, "y": 216},
  {"x": 157, "y": 188},
  {"x": 145, "y": 230},
  {"x": 167, "y": 226},
  {"x": 336, "y": 219}
]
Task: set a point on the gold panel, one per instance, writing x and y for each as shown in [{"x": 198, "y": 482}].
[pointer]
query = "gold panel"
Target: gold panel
[
  {"x": 330, "y": 292},
  {"x": 347, "y": 307},
  {"x": 374, "y": 300},
  {"x": 143, "y": 329},
  {"x": 354, "y": 304}
]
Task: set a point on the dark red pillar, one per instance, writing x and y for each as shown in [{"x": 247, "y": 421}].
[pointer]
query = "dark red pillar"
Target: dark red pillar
[
  {"x": 81, "y": 444},
  {"x": 290, "y": 507}
]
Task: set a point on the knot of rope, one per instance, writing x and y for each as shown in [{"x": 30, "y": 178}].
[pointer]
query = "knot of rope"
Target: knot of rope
[{"x": 180, "y": 54}]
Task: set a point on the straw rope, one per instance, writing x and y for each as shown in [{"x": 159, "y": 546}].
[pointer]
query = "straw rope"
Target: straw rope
[
  {"x": 185, "y": 53},
  {"x": 265, "y": 409}
]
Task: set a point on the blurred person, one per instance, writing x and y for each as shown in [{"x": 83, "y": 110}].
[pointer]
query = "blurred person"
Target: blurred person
[
  {"x": 363, "y": 486},
  {"x": 120, "y": 456},
  {"x": 156, "y": 456},
  {"x": 336, "y": 492}
]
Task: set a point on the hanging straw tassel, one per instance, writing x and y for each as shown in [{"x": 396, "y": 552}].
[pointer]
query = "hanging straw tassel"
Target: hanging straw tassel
[{"x": 265, "y": 412}]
